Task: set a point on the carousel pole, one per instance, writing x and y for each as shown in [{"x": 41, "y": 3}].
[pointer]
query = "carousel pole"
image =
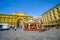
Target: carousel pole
[
  {"x": 29, "y": 26},
  {"x": 37, "y": 26}
]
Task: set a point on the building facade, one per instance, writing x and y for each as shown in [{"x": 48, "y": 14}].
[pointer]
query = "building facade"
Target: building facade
[
  {"x": 14, "y": 19},
  {"x": 52, "y": 16}
]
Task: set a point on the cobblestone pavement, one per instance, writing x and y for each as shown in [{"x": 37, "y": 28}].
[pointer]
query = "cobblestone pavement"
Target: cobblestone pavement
[{"x": 19, "y": 34}]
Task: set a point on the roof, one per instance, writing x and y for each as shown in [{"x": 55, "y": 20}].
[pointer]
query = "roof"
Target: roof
[{"x": 51, "y": 8}]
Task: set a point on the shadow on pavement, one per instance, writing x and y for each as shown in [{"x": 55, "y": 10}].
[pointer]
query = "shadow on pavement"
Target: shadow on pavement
[{"x": 3, "y": 29}]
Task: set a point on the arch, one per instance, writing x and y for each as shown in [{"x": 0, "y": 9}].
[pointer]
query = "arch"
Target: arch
[{"x": 19, "y": 22}]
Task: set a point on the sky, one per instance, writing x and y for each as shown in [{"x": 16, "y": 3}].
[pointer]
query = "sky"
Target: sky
[{"x": 30, "y": 7}]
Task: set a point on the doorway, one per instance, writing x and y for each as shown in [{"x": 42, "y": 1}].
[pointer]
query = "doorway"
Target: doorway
[{"x": 20, "y": 23}]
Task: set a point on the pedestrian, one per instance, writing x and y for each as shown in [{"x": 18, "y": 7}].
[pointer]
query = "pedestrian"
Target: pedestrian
[{"x": 15, "y": 28}]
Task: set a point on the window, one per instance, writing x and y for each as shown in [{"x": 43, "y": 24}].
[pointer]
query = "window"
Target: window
[
  {"x": 6, "y": 19},
  {"x": 51, "y": 18},
  {"x": 56, "y": 22},
  {"x": 3, "y": 20},
  {"x": 53, "y": 12},
  {"x": 59, "y": 16},
  {"x": 58, "y": 10},
  {"x": 7, "y": 16},
  {"x": 50, "y": 13},
  {"x": 54, "y": 17}
]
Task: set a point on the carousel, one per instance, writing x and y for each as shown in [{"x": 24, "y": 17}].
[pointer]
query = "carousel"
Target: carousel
[{"x": 32, "y": 26}]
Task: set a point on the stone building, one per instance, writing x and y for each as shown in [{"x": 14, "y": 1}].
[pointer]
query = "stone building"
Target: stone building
[
  {"x": 52, "y": 16},
  {"x": 15, "y": 18}
]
